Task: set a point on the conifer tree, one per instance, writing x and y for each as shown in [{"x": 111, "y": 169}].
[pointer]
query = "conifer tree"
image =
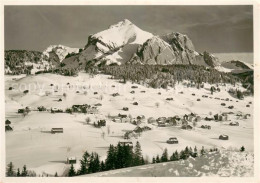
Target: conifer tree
[
  {"x": 137, "y": 154},
  {"x": 84, "y": 163},
  {"x": 110, "y": 160},
  {"x": 202, "y": 151},
  {"x": 242, "y": 149},
  {"x": 72, "y": 171},
  {"x": 164, "y": 157},
  {"x": 10, "y": 170},
  {"x": 157, "y": 159},
  {"x": 24, "y": 172},
  {"x": 18, "y": 172},
  {"x": 153, "y": 161},
  {"x": 102, "y": 166},
  {"x": 195, "y": 154}
]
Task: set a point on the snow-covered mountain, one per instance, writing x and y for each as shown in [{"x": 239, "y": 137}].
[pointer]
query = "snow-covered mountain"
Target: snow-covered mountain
[
  {"x": 125, "y": 43},
  {"x": 117, "y": 44},
  {"x": 57, "y": 52}
]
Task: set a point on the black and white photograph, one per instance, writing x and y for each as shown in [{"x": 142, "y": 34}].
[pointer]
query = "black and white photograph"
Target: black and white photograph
[{"x": 130, "y": 91}]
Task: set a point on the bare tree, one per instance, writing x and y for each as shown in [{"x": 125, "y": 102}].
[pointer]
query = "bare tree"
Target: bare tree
[
  {"x": 108, "y": 129},
  {"x": 157, "y": 104},
  {"x": 65, "y": 95},
  {"x": 101, "y": 97},
  {"x": 88, "y": 120}
]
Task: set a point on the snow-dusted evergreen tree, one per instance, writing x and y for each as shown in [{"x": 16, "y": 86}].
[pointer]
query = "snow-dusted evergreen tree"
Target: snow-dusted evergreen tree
[{"x": 10, "y": 170}]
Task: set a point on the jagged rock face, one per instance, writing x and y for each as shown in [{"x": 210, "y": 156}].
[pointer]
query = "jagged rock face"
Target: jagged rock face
[
  {"x": 183, "y": 48},
  {"x": 173, "y": 48},
  {"x": 179, "y": 42},
  {"x": 174, "y": 51},
  {"x": 154, "y": 51},
  {"x": 210, "y": 59}
]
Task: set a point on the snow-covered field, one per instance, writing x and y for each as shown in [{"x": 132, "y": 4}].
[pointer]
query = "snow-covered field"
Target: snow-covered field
[{"x": 31, "y": 142}]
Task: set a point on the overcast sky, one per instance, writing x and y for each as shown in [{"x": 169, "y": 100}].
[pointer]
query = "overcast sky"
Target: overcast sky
[{"x": 212, "y": 28}]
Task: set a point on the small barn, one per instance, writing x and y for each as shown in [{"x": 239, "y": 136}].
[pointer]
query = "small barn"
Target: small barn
[
  {"x": 138, "y": 130},
  {"x": 197, "y": 119},
  {"x": 186, "y": 117},
  {"x": 151, "y": 120},
  {"x": 172, "y": 140},
  {"x": 125, "y": 108},
  {"x": 125, "y": 120},
  {"x": 186, "y": 127},
  {"x": 135, "y": 103},
  {"x": 7, "y": 122},
  {"x": 161, "y": 119},
  {"x": 56, "y": 130},
  {"x": 129, "y": 144},
  {"x": 184, "y": 122},
  {"x": 223, "y": 137},
  {"x": 8, "y": 128},
  {"x": 92, "y": 110},
  {"x": 234, "y": 124},
  {"x": 146, "y": 128},
  {"x": 161, "y": 124},
  {"x": 130, "y": 134},
  {"x": 71, "y": 160},
  {"x": 246, "y": 116},
  {"x": 117, "y": 120},
  {"x": 206, "y": 127},
  {"x": 122, "y": 115},
  {"x": 21, "y": 110}
]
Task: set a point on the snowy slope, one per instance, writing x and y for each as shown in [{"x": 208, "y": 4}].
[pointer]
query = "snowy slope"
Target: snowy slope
[
  {"x": 223, "y": 164},
  {"x": 235, "y": 66},
  {"x": 122, "y": 33},
  {"x": 117, "y": 44}
]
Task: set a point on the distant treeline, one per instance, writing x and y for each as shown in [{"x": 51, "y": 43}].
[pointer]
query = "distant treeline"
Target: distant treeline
[{"x": 157, "y": 76}]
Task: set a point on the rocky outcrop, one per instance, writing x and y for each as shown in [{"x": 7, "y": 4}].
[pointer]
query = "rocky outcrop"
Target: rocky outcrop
[
  {"x": 173, "y": 48},
  {"x": 154, "y": 51},
  {"x": 210, "y": 59}
]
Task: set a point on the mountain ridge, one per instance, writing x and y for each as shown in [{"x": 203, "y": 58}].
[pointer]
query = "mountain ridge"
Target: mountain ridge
[{"x": 125, "y": 43}]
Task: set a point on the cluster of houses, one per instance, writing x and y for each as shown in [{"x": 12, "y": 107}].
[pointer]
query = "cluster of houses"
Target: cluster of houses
[
  {"x": 136, "y": 132},
  {"x": 84, "y": 108},
  {"x": 100, "y": 123}
]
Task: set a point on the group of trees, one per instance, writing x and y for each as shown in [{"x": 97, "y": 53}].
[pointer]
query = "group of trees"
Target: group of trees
[
  {"x": 120, "y": 156},
  {"x": 15, "y": 61},
  {"x": 11, "y": 172},
  {"x": 160, "y": 76},
  {"x": 183, "y": 154}
]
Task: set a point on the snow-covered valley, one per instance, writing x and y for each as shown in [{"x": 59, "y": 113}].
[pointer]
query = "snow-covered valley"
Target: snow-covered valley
[{"x": 31, "y": 142}]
